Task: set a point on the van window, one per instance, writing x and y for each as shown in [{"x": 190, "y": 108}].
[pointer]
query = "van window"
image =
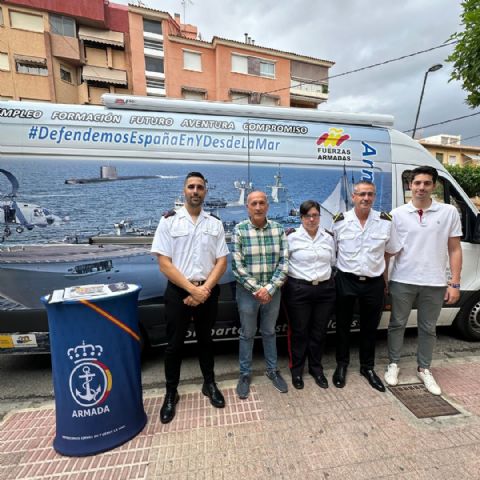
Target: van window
[{"x": 438, "y": 193}]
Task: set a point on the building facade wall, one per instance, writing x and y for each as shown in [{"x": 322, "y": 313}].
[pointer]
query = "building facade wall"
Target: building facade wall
[
  {"x": 58, "y": 50},
  {"x": 454, "y": 155},
  {"x": 66, "y": 92},
  {"x": 279, "y": 86},
  {"x": 139, "y": 86},
  {"x": 177, "y": 77}
]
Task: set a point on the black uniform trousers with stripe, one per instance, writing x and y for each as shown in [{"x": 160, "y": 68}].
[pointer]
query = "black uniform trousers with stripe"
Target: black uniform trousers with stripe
[
  {"x": 369, "y": 291},
  {"x": 309, "y": 308},
  {"x": 179, "y": 316}
]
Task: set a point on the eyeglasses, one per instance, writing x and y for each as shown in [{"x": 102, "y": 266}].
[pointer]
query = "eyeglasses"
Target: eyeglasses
[
  {"x": 314, "y": 216},
  {"x": 364, "y": 194}
]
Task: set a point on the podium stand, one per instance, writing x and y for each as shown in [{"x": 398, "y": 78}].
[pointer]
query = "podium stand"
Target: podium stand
[{"x": 95, "y": 348}]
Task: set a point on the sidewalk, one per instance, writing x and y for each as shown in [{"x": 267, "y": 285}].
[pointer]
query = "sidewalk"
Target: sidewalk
[{"x": 350, "y": 433}]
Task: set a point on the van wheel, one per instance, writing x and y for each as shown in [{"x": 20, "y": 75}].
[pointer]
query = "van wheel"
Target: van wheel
[{"x": 468, "y": 319}]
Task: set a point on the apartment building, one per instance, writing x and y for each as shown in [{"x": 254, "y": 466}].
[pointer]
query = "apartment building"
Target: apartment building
[
  {"x": 448, "y": 150},
  {"x": 63, "y": 51},
  {"x": 73, "y": 51},
  {"x": 169, "y": 59}
]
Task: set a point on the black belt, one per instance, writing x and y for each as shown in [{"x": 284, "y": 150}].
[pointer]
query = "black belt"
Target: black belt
[
  {"x": 197, "y": 283},
  {"x": 307, "y": 282},
  {"x": 360, "y": 278}
]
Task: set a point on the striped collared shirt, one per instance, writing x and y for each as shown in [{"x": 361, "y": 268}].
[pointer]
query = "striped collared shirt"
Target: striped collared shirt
[{"x": 260, "y": 256}]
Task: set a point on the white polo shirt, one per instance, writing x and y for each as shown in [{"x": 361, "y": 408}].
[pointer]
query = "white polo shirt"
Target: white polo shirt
[
  {"x": 423, "y": 259},
  {"x": 310, "y": 258},
  {"x": 361, "y": 250},
  {"x": 193, "y": 247}
]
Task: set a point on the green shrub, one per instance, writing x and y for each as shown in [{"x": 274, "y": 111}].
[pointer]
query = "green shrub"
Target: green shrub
[{"x": 468, "y": 177}]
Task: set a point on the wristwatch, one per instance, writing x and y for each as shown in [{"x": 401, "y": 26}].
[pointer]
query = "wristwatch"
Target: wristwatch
[{"x": 454, "y": 285}]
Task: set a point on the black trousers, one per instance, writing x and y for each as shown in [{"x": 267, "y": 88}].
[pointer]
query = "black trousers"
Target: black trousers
[
  {"x": 179, "y": 316},
  {"x": 309, "y": 308},
  {"x": 370, "y": 295}
]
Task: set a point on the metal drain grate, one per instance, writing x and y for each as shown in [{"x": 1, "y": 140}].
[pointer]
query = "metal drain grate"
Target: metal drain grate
[{"x": 421, "y": 402}]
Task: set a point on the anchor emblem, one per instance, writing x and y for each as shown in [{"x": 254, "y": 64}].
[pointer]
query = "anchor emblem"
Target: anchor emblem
[
  {"x": 90, "y": 394},
  {"x": 90, "y": 380}
]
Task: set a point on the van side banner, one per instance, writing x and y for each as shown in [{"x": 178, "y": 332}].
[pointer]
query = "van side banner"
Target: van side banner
[{"x": 162, "y": 135}]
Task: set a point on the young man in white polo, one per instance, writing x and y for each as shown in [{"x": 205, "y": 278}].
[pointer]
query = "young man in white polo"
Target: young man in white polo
[{"x": 430, "y": 234}]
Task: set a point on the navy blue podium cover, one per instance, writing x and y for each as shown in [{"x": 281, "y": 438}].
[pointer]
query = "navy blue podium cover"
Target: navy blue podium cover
[{"x": 95, "y": 348}]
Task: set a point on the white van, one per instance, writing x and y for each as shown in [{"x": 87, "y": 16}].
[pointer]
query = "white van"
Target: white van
[{"x": 143, "y": 148}]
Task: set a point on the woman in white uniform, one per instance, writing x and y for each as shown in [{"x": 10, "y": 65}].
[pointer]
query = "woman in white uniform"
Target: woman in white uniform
[{"x": 309, "y": 294}]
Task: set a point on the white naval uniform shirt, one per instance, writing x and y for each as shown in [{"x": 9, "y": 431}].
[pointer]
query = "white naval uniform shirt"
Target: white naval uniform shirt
[
  {"x": 310, "y": 259},
  {"x": 360, "y": 250},
  {"x": 193, "y": 247},
  {"x": 423, "y": 259}
]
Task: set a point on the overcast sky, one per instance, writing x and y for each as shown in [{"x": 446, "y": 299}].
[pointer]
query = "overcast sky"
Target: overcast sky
[{"x": 354, "y": 34}]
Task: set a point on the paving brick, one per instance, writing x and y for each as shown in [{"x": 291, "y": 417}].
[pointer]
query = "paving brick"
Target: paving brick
[{"x": 353, "y": 432}]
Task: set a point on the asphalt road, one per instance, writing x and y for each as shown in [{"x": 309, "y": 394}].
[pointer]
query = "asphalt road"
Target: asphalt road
[{"x": 26, "y": 380}]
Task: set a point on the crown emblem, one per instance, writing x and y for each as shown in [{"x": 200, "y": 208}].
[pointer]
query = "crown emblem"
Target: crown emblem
[{"x": 84, "y": 351}]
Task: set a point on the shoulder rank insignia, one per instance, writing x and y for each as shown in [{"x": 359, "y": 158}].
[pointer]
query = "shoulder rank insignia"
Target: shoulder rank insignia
[
  {"x": 169, "y": 213},
  {"x": 289, "y": 230},
  {"x": 214, "y": 216},
  {"x": 329, "y": 232},
  {"x": 338, "y": 217},
  {"x": 385, "y": 216}
]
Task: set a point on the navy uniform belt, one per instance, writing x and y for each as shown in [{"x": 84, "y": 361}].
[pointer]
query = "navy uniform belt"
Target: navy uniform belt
[
  {"x": 360, "y": 278},
  {"x": 197, "y": 283},
  {"x": 307, "y": 282}
]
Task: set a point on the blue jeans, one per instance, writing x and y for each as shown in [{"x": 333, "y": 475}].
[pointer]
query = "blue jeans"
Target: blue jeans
[{"x": 248, "y": 308}]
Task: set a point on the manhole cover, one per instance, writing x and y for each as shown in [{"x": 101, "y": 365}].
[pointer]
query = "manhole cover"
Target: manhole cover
[{"x": 421, "y": 402}]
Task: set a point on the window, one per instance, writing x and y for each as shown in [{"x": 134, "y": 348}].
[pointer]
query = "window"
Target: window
[
  {"x": 239, "y": 63},
  {"x": 193, "y": 95},
  {"x": 253, "y": 66},
  {"x": 452, "y": 159},
  {"x": 66, "y": 74},
  {"x": 31, "y": 68},
  {"x": 1, "y": 16},
  {"x": 267, "y": 69},
  {"x": 153, "y": 64},
  {"x": 153, "y": 44},
  {"x": 25, "y": 21},
  {"x": 192, "y": 61},
  {"x": 240, "y": 98},
  {"x": 151, "y": 26},
  {"x": 439, "y": 157},
  {"x": 4, "y": 64},
  {"x": 61, "y": 25},
  {"x": 269, "y": 100},
  {"x": 155, "y": 83},
  {"x": 438, "y": 193}
]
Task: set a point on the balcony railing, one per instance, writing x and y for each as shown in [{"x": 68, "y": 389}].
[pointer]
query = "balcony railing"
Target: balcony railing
[{"x": 302, "y": 87}]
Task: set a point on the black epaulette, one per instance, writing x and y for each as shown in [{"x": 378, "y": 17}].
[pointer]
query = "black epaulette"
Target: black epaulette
[
  {"x": 385, "y": 216},
  {"x": 170, "y": 213},
  {"x": 329, "y": 232},
  {"x": 289, "y": 230},
  {"x": 338, "y": 217},
  {"x": 214, "y": 216}
]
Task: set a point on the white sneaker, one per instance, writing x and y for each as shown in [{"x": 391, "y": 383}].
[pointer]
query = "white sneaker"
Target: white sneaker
[
  {"x": 391, "y": 374},
  {"x": 430, "y": 384}
]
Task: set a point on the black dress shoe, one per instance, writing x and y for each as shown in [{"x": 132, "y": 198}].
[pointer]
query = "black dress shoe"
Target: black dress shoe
[
  {"x": 211, "y": 391},
  {"x": 297, "y": 382},
  {"x": 340, "y": 376},
  {"x": 372, "y": 377},
  {"x": 321, "y": 380},
  {"x": 167, "y": 412}
]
